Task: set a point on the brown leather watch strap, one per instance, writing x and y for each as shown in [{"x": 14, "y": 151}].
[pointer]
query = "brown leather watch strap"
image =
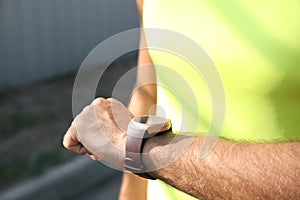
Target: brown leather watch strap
[
  {"x": 137, "y": 134},
  {"x": 135, "y": 140},
  {"x": 134, "y": 149}
]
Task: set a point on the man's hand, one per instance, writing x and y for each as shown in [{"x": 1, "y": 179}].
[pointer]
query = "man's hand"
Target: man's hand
[{"x": 99, "y": 131}]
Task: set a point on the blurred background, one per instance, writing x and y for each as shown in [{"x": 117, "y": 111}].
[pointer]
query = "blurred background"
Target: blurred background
[{"x": 42, "y": 45}]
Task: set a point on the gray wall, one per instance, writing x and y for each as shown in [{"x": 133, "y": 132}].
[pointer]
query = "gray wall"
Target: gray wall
[{"x": 40, "y": 39}]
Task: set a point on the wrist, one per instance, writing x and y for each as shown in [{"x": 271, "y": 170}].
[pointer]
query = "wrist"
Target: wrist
[
  {"x": 155, "y": 151},
  {"x": 160, "y": 152},
  {"x": 139, "y": 130}
]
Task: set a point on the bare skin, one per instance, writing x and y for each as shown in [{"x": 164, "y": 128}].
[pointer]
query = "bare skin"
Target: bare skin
[
  {"x": 142, "y": 100},
  {"x": 133, "y": 187},
  {"x": 231, "y": 171}
]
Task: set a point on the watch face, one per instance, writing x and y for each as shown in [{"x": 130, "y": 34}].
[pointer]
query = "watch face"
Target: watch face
[
  {"x": 153, "y": 124},
  {"x": 150, "y": 120}
]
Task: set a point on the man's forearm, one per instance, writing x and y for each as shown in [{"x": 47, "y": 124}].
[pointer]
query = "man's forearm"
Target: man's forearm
[{"x": 231, "y": 171}]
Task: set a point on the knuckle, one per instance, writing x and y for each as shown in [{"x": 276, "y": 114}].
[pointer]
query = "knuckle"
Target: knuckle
[
  {"x": 67, "y": 138},
  {"x": 110, "y": 99},
  {"x": 85, "y": 109},
  {"x": 98, "y": 101},
  {"x": 114, "y": 102},
  {"x": 65, "y": 141}
]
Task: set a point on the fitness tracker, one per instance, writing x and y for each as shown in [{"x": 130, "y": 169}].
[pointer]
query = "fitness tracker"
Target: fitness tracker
[{"x": 139, "y": 129}]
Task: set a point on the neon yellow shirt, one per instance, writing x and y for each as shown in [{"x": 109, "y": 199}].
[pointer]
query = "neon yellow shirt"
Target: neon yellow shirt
[{"x": 255, "y": 46}]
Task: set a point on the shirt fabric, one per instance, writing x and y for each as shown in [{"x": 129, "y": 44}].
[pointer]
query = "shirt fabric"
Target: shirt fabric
[{"x": 255, "y": 46}]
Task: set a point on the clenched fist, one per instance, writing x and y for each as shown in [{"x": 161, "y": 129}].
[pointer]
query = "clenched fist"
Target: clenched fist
[{"x": 100, "y": 131}]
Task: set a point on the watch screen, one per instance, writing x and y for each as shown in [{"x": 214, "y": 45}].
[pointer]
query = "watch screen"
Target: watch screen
[{"x": 151, "y": 120}]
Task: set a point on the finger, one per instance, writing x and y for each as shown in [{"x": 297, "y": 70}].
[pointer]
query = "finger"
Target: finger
[
  {"x": 99, "y": 101},
  {"x": 69, "y": 139},
  {"x": 115, "y": 102},
  {"x": 94, "y": 157},
  {"x": 72, "y": 142}
]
